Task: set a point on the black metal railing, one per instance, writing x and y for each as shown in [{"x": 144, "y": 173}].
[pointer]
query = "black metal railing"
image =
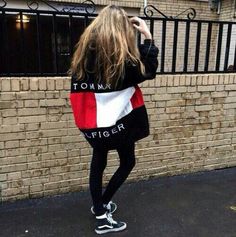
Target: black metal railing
[
  {"x": 190, "y": 45},
  {"x": 36, "y": 42},
  {"x": 194, "y": 46}
]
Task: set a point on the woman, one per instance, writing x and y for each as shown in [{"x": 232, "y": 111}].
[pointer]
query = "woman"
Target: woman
[{"x": 107, "y": 103}]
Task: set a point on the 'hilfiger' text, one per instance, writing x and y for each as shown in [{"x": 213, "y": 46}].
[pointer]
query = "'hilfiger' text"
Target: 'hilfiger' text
[{"x": 106, "y": 133}]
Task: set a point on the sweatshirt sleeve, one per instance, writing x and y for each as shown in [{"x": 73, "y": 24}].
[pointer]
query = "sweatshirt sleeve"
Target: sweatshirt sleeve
[{"x": 148, "y": 54}]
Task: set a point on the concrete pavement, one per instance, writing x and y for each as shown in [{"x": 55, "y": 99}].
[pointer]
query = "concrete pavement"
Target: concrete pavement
[{"x": 193, "y": 205}]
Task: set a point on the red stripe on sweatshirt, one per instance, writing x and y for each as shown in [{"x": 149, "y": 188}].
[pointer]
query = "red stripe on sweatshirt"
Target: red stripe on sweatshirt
[
  {"x": 137, "y": 98},
  {"x": 84, "y": 109}
]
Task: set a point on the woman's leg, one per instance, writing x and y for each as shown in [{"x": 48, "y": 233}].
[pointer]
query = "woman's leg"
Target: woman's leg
[
  {"x": 98, "y": 164},
  {"x": 127, "y": 162}
]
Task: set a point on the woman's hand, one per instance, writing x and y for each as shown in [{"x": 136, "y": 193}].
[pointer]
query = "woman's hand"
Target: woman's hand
[{"x": 141, "y": 26}]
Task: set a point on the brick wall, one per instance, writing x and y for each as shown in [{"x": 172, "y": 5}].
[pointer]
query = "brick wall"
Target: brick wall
[
  {"x": 123, "y": 3},
  {"x": 227, "y": 11},
  {"x": 192, "y": 121},
  {"x": 203, "y": 11}
]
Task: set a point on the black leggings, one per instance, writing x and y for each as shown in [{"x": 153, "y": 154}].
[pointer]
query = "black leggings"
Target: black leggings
[{"x": 98, "y": 165}]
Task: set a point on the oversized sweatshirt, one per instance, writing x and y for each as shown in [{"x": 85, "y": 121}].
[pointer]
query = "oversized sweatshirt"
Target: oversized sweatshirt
[{"x": 110, "y": 117}]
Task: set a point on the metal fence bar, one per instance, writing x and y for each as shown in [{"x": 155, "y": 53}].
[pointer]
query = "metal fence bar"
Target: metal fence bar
[
  {"x": 175, "y": 42},
  {"x": 234, "y": 59},
  {"x": 23, "y": 56},
  {"x": 38, "y": 26},
  {"x": 227, "y": 46},
  {"x": 208, "y": 46},
  {"x": 192, "y": 20},
  {"x": 54, "y": 27},
  {"x": 139, "y": 38},
  {"x": 197, "y": 48},
  {"x": 186, "y": 46},
  {"x": 70, "y": 34},
  {"x": 163, "y": 46},
  {"x": 5, "y": 44},
  {"x": 219, "y": 47},
  {"x": 86, "y": 21},
  {"x": 48, "y": 12},
  {"x": 151, "y": 26}
]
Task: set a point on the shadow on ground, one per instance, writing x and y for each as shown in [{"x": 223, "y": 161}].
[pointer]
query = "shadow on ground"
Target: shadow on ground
[{"x": 194, "y": 205}]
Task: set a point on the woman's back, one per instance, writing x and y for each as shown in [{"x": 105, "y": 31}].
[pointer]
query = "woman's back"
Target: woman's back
[
  {"x": 110, "y": 42},
  {"x": 107, "y": 66},
  {"x": 107, "y": 102}
]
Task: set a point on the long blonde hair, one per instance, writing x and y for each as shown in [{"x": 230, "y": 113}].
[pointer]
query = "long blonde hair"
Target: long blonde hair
[{"x": 112, "y": 37}]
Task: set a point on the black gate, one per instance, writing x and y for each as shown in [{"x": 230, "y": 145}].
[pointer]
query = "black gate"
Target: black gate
[
  {"x": 193, "y": 46},
  {"x": 37, "y": 42}
]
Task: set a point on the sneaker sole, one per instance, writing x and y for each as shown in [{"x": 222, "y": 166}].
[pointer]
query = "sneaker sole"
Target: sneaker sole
[
  {"x": 111, "y": 230},
  {"x": 92, "y": 211}
]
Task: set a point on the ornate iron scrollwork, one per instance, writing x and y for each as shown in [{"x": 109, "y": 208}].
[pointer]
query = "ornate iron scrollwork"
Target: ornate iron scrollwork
[
  {"x": 33, "y": 5},
  {"x": 191, "y": 14},
  {"x": 88, "y": 6},
  {"x": 149, "y": 12},
  {"x": 4, "y": 3}
]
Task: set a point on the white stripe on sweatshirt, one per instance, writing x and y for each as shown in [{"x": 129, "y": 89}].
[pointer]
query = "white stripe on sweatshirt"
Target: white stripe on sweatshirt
[{"x": 113, "y": 106}]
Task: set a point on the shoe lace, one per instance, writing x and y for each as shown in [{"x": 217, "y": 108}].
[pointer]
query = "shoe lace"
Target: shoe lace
[
  {"x": 110, "y": 219},
  {"x": 108, "y": 206}
]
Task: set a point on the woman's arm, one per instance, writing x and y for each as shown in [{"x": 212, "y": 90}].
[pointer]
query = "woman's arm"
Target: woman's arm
[{"x": 148, "y": 51}]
